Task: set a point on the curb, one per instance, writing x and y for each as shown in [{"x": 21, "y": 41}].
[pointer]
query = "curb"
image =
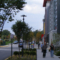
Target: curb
[
  {"x": 3, "y": 46},
  {"x": 7, "y": 58}
]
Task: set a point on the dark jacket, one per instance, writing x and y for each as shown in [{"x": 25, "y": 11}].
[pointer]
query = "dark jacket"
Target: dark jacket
[{"x": 44, "y": 47}]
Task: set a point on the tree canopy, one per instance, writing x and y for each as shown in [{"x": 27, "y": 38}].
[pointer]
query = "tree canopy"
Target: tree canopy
[
  {"x": 20, "y": 28},
  {"x": 8, "y": 9},
  {"x": 5, "y": 32}
]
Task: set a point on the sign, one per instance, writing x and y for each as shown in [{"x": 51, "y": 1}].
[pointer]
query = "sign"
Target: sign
[
  {"x": 11, "y": 36},
  {"x": 42, "y": 36}
]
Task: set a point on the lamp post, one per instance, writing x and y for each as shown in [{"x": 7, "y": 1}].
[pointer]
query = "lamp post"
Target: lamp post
[
  {"x": 23, "y": 17},
  {"x": 23, "y": 34}
]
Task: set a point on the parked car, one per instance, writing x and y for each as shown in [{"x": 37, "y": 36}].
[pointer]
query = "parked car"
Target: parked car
[
  {"x": 20, "y": 44},
  {"x": 15, "y": 42}
]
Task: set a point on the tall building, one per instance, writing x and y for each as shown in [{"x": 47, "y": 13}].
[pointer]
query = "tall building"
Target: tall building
[
  {"x": 53, "y": 15},
  {"x": 52, "y": 18},
  {"x": 46, "y": 4}
]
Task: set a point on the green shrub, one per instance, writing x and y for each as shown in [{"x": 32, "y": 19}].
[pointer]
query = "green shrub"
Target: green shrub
[
  {"x": 16, "y": 53},
  {"x": 32, "y": 53},
  {"x": 58, "y": 53},
  {"x": 21, "y": 53},
  {"x": 27, "y": 53},
  {"x": 30, "y": 49},
  {"x": 33, "y": 49},
  {"x": 1, "y": 42}
]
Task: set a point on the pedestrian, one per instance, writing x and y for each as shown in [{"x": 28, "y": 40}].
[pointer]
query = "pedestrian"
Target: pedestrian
[
  {"x": 44, "y": 48},
  {"x": 52, "y": 50},
  {"x": 41, "y": 47}
]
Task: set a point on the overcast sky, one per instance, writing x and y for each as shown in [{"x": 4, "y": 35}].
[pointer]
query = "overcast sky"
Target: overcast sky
[{"x": 34, "y": 11}]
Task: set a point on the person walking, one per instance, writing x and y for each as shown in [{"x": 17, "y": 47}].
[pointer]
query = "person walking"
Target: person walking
[
  {"x": 52, "y": 50},
  {"x": 44, "y": 48},
  {"x": 41, "y": 47}
]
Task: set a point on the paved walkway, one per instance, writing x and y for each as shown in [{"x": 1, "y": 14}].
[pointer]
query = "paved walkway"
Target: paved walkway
[{"x": 40, "y": 57}]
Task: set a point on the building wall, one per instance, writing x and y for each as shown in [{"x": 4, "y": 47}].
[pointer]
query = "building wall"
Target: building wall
[
  {"x": 51, "y": 38},
  {"x": 44, "y": 26},
  {"x": 51, "y": 16},
  {"x": 47, "y": 18},
  {"x": 58, "y": 16}
]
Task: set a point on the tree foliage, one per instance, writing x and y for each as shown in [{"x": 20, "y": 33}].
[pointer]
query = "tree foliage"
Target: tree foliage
[
  {"x": 8, "y": 9},
  {"x": 5, "y": 32},
  {"x": 31, "y": 35},
  {"x": 38, "y": 36},
  {"x": 21, "y": 28}
]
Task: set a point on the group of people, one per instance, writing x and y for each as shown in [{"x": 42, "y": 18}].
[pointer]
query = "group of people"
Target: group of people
[{"x": 44, "y": 49}]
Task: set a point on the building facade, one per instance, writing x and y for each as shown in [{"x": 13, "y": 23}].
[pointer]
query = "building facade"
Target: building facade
[
  {"x": 52, "y": 18},
  {"x": 46, "y": 4}
]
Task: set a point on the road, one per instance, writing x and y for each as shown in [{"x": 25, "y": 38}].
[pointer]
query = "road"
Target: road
[{"x": 6, "y": 51}]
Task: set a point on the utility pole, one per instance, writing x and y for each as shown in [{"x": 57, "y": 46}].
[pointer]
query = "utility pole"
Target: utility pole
[{"x": 23, "y": 33}]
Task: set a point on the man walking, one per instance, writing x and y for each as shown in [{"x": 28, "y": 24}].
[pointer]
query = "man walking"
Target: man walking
[{"x": 44, "y": 49}]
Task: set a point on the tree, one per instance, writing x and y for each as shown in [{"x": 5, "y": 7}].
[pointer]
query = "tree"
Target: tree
[
  {"x": 35, "y": 32},
  {"x": 38, "y": 36},
  {"x": 5, "y": 34},
  {"x": 20, "y": 28},
  {"x": 9, "y": 8},
  {"x": 31, "y": 35},
  {"x": 27, "y": 34}
]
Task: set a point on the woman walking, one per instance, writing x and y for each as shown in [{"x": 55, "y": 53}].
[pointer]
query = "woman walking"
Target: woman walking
[{"x": 52, "y": 50}]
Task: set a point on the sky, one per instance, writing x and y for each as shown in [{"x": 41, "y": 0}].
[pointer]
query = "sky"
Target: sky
[{"x": 34, "y": 12}]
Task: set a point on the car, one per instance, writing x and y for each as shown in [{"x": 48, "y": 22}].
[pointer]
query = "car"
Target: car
[
  {"x": 15, "y": 42},
  {"x": 20, "y": 44}
]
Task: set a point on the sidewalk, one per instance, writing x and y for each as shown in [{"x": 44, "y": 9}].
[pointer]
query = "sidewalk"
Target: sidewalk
[{"x": 40, "y": 57}]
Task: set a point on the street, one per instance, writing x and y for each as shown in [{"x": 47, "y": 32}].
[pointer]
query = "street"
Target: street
[{"x": 6, "y": 51}]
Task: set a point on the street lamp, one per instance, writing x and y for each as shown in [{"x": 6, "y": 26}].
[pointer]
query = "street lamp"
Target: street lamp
[
  {"x": 23, "y": 17},
  {"x": 23, "y": 34}
]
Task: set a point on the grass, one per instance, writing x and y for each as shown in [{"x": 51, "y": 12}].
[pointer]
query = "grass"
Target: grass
[
  {"x": 25, "y": 57},
  {"x": 7, "y": 42}
]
